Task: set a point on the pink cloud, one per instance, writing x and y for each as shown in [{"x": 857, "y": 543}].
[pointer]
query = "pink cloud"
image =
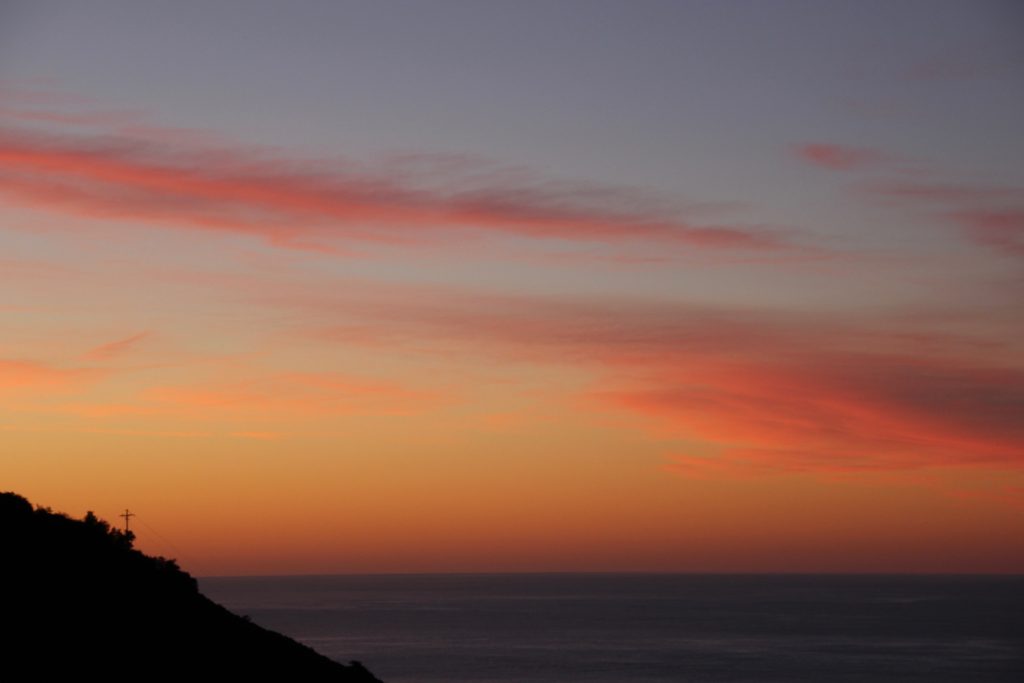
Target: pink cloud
[
  {"x": 302, "y": 206},
  {"x": 117, "y": 347},
  {"x": 1002, "y": 230},
  {"x": 941, "y": 193},
  {"x": 839, "y": 157},
  {"x": 964, "y": 65},
  {"x": 104, "y": 119},
  {"x": 987, "y": 214}
]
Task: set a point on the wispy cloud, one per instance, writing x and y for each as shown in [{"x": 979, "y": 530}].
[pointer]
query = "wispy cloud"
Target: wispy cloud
[
  {"x": 989, "y": 215},
  {"x": 937, "y": 192},
  {"x": 116, "y": 348},
  {"x": 291, "y": 394},
  {"x": 962, "y": 64},
  {"x": 306, "y": 205},
  {"x": 1003, "y": 230},
  {"x": 255, "y": 393},
  {"x": 839, "y": 157},
  {"x": 800, "y": 391},
  {"x": 22, "y": 375},
  {"x": 848, "y": 412}
]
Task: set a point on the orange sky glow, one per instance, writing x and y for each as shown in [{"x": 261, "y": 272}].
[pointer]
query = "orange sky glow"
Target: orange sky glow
[{"x": 310, "y": 341}]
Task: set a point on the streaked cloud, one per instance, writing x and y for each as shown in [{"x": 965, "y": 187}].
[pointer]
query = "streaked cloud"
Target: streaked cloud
[
  {"x": 989, "y": 215},
  {"x": 28, "y": 375},
  {"x": 303, "y": 205},
  {"x": 1003, "y": 230},
  {"x": 799, "y": 391},
  {"x": 938, "y": 192},
  {"x": 291, "y": 394},
  {"x": 847, "y": 413},
  {"x": 117, "y": 347},
  {"x": 839, "y": 157}
]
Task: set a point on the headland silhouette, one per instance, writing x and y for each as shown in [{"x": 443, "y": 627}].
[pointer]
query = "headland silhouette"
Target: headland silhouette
[{"x": 78, "y": 600}]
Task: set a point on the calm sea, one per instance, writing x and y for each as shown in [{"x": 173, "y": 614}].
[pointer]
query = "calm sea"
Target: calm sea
[{"x": 604, "y": 628}]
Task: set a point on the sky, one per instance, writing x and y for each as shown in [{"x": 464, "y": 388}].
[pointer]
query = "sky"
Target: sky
[{"x": 580, "y": 285}]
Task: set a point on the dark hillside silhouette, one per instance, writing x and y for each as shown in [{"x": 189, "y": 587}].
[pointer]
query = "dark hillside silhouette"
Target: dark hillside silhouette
[{"x": 77, "y": 600}]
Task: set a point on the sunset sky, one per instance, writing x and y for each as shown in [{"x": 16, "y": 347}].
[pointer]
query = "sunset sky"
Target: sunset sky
[{"x": 455, "y": 285}]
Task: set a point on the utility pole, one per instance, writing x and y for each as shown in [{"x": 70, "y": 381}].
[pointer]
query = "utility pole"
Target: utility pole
[{"x": 127, "y": 515}]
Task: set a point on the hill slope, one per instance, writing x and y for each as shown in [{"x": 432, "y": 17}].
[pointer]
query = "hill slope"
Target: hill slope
[{"x": 78, "y": 599}]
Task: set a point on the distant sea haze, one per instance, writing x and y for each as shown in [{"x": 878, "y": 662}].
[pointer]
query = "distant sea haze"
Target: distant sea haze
[{"x": 649, "y": 628}]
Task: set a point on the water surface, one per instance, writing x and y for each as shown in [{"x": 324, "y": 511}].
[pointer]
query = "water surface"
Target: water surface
[{"x": 619, "y": 628}]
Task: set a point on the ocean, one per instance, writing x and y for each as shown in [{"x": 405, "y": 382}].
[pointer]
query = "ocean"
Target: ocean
[{"x": 624, "y": 628}]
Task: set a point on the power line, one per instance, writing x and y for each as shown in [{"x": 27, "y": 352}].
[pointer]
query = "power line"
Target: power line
[{"x": 167, "y": 541}]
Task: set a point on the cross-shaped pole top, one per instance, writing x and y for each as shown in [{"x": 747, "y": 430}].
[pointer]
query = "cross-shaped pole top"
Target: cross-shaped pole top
[{"x": 127, "y": 515}]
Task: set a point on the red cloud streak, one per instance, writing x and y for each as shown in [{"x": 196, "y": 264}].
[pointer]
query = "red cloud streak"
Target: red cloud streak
[
  {"x": 838, "y": 157},
  {"x": 988, "y": 215},
  {"x": 1003, "y": 230},
  {"x": 116, "y": 348},
  {"x": 778, "y": 394},
  {"x": 290, "y": 205}
]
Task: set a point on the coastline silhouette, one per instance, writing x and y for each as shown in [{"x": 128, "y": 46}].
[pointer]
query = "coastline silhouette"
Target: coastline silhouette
[{"x": 78, "y": 599}]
